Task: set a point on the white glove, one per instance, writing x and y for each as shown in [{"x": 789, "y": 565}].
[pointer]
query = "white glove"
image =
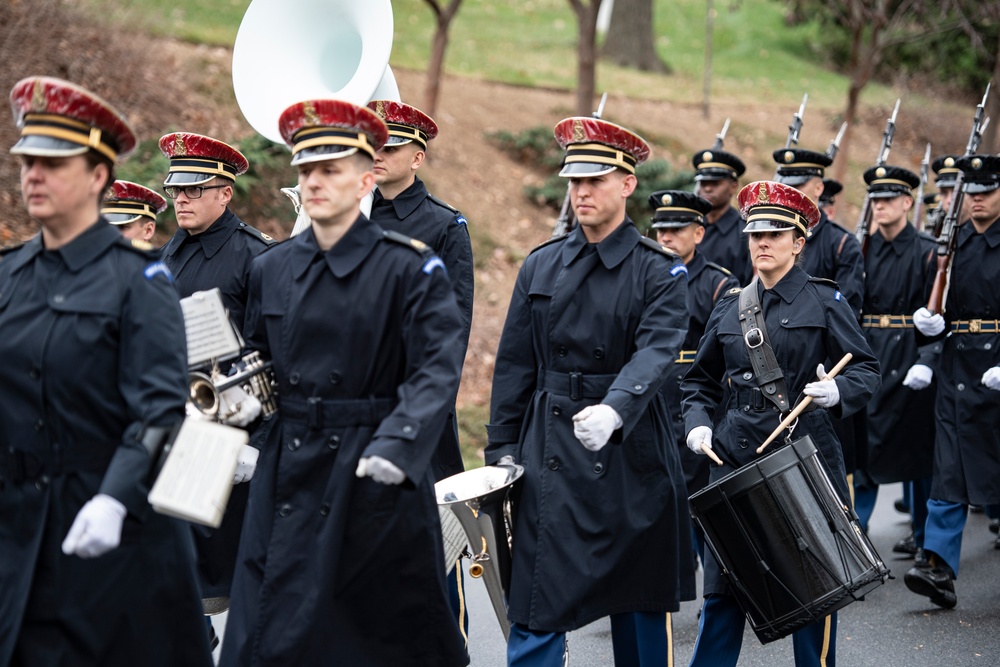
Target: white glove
[
  {"x": 238, "y": 408},
  {"x": 594, "y": 425},
  {"x": 991, "y": 378},
  {"x": 381, "y": 470},
  {"x": 918, "y": 377},
  {"x": 824, "y": 392},
  {"x": 926, "y": 323},
  {"x": 506, "y": 461},
  {"x": 97, "y": 528},
  {"x": 699, "y": 439},
  {"x": 246, "y": 464}
]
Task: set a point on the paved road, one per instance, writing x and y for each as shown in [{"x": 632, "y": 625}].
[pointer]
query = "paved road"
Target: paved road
[{"x": 891, "y": 628}]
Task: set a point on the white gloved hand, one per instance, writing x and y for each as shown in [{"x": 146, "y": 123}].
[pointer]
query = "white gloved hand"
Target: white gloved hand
[
  {"x": 507, "y": 460},
  {"x": 237, "y": 407},
  {"x": 97, "y": 528},
  {"x": 381, "y": 470},
  {"x": 918, "y": 377},
  {"x": 926, "y": 323},
  {"x": 824, "y": 392},
  {"x": 991, "y": 378},
  {"x": 246, "y": 464},
  {"x": 699, "y": 435},
  {"x": 594, "y": 425}
]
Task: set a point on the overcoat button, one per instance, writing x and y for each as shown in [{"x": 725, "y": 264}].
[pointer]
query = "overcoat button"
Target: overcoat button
[
  {"x": 285, "y": 510},
  {"x": 638, "y": 387},
  {"x": 407, "y": 429},
  {"x": 557, "y": 411},
  {"x": 743, "y": 443},
  {"x": 563, "y": 351},
  {"x": 748, "y": 375},
  {"x": 294, "y": 444},
  {"x": 35, "y": 373},
  {"x": 334, "y": 378},
  {"x": 553, "y": 464},
  {"x": 784, "y": 320},
  {"x": 324, "y": 509},
  {"x": 960, "y": 387},
  {"x": 293, "y": 378},
  {"x": 598, "y": 468},
  {"x": 599, "y": 353},
  {"x": 333, "y": 442}
]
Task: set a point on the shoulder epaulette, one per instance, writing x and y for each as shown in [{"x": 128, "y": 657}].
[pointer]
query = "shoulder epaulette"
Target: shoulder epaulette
[
  {"x": 824, "y": 281},
  {"x": 663, "y": 250},
  {"x": 441, "y": 203},
  {"x": 733, "y": 291},
  {"x": 719, "y": 267},
  {"x": 402, "y": 239},
  {"x": 554, "y": 239},
  {"x": 257, "y": 234},
  {"x": 140, "y": 247}
]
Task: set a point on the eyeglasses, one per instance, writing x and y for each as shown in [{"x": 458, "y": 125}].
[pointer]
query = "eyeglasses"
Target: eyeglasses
[{"x": 189, "y": 191}]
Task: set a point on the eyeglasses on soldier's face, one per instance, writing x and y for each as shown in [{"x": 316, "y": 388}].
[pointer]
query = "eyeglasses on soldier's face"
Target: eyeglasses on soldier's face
[{"x": 189, "y": 191}]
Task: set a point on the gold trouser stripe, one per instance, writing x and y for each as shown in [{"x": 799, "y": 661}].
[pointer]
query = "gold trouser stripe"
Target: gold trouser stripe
[
  {"x": 825, "y": 650},
  {"x": 461, "y": 601},
  {"x": 670, "y": 640}
]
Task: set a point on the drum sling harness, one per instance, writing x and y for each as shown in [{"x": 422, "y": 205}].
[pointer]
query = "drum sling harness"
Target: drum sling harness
[{"x": 766, "y": 370}]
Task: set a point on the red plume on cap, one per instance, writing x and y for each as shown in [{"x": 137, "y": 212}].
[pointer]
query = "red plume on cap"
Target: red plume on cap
[
  {"x": 129, "y": 191},
  {"x": 332, "y": 114},
  {"x": 779, "y": 204},
  {"x": 50, "y": 109}
]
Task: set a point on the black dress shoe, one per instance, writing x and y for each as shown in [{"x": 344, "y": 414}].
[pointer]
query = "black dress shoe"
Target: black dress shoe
[
  {"x": 921, "y": 559},
  {"x": 976, "y": 509},
  {"x": 907, "y": 545},
  {"x": 900, "y": 506},
  {"x": 995, "y": 525},
  {"x": 933, "y": 582}
]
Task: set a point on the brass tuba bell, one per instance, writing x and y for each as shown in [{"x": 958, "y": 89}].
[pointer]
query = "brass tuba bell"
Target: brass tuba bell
[{"x": 254, "y": 376}]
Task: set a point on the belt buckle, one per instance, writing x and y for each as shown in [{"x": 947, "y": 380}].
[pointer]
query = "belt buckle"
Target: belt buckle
[
  {"x": 975, "y": 326},
  {"x": 314, "y": 413},
  {"x": 575, "y": 385},
  {"x": 884, "y": 321},
  {"x": 757, "y": 335}
]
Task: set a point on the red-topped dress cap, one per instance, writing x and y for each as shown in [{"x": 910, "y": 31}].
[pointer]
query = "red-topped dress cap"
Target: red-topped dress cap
[
  {"x": 58, "y": 119},
  {"x": 405, "y": 123},
  {"x": 771, "y": 206},
  {"x": 196, "y": 159},
  {"x": 126, "y": 201},
  {"x": 594, "y": 146},
  {"x": 330, "y": 129}
]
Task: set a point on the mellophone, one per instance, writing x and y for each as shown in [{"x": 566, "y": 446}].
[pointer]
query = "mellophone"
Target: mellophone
[{"x": 789, "y": 546}]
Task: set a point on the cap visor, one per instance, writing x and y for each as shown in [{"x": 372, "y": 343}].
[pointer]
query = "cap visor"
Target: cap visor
[
  {"x": 767, "y": 226},
  {"x": 185, "y": 178},
  {"x": 976, "y": 188},
  {"x": 793, "y": 180},
  {"x": 122, "y": 218},
  {"x": 397, "y": 141},
  {"x": 321, "y": 153},
  {"x": 673, "y": 224},
  {"x": 43, "y": 146},
  {"x": 585, "y": 169}
]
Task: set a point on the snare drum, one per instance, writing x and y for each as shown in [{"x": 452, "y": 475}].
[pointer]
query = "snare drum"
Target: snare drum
[{"x": 791, "y": 549}]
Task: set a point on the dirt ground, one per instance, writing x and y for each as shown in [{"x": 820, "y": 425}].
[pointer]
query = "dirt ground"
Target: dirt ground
[{"x": 466, "y": 170}]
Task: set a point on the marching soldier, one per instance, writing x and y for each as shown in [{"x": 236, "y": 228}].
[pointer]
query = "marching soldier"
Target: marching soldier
[
  {"x": 93, "y": 379},
  {"x": 341, "y": 556},
  {"x": 932, "y": 208},
  {"x": 899, "y": 272},
  {"x": 828, "y": 200},
  {"x": 679, "y": 223},
  {"x": 595, "y": 321},
  {"x": 132, "y": 208},
  {"x": 945, "y": 176},
  {"x": 808, "y": 323},
  {"x": 716, "y": 175},
  {"x": 967, "y": 433}
]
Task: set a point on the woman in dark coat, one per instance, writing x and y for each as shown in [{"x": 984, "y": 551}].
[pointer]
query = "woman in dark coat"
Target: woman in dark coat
[
  {"x": 809, "y": 324},
  {"x": 94, "y": 375}
]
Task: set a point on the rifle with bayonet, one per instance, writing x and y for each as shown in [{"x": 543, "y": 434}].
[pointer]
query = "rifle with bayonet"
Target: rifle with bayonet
[
  {"x": 918, "y": 210},
  {"x": 720, "y": 138},
  {"x": 834, "y": 147},
  {"x": 865, "y": 220},
  {"x": 567, "y": 220},
  {"x": 796, "y": 126},
  {"x": 947, "y": 239}
]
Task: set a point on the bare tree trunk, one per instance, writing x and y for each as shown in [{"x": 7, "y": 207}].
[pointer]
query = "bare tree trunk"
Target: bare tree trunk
[
  {"x": 989, "y": 143},
  {"x": 435, "y": 67},
  {"x": 631, "y": 41},
  {"x": 586, "y": 54}
]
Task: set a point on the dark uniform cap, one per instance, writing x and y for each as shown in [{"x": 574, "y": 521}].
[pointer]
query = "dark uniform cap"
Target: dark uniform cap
[
  {"x": 595, "y": 147},
  {"x": 831, "y": 188},
  {"x": 798, "y": 165},
  {"x": 319, "y": 130},
  {"x": 673, "y": 209},
  {"x": 126, "y": 202},
  {"x": 768, "y": 206},
  {"x": 945, "y": 170},
  {"x": 712, "y": 165},
  {"x": 981, "y": 173},
  {"x": 887, "y": 181},
  {"x": 405, "y": 123},
  {"x": 60, "y": 119},
  {"x": 197, "y": 159},
  {"x": 932, "y": 201}
]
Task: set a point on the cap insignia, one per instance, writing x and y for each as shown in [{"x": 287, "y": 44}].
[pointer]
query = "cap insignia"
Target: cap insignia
[
  {"x": 706, "y": 156},
  {"x": 38, "y": 96},
  {"x": 977, "y": 163},
  {"x": 762, "y": 194},
  {"x": 880, "y": 172},
  {"x": 380, "y": 108},
  {"x": 667, "y": 200},
  {"x": 578, "y": 133},
  {"x": 789, "y": 156},
  {"x": 179, "y": 145},
  {"x": 309, "y": 113},
  {"x": 949, "y": 162}
]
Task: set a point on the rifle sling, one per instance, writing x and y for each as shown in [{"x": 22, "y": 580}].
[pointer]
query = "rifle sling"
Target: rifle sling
[{"x": 766, "y": 370}]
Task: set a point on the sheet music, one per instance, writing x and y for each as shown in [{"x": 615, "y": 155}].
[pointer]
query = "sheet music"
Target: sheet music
[
  {"x": 210, "y": 334},
  {"x": 197, "y": 476},
  {"x": 454, "y": 537}
]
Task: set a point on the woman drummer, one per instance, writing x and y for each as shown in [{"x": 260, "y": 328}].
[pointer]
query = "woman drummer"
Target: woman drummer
[
  {"x": 94, "y": 375},
  {"x": 809, "y": 325}
]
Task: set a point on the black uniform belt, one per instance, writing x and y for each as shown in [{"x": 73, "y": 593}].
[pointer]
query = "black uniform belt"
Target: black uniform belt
[
  {"x": 575, "y": 385},
  {"x": 319, "y": 413},
  {"x": 20, "y": 465},
  {"x": 975, "y": 326},
  {"x": 887, "y": 321},
  {"x": 750, "y": 399},
  {"x": 685, "y": 357}
]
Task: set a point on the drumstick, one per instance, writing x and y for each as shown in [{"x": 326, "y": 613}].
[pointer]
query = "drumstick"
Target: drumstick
[
  {"x": 709, "y": 453},
  {"x": 793, "y": 415}
]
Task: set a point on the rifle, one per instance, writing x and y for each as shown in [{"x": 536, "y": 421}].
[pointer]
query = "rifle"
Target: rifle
[
  {"x": 720, "y": 138},
  {"x": 566, "y": 220},
  {"x": 831, "y": 152},
  {"x": 865, "y": 221},
  {"x": 796, "y": 126},
  {"x": 948, "y": 238},
  {"x": 919, "y": 208}
]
